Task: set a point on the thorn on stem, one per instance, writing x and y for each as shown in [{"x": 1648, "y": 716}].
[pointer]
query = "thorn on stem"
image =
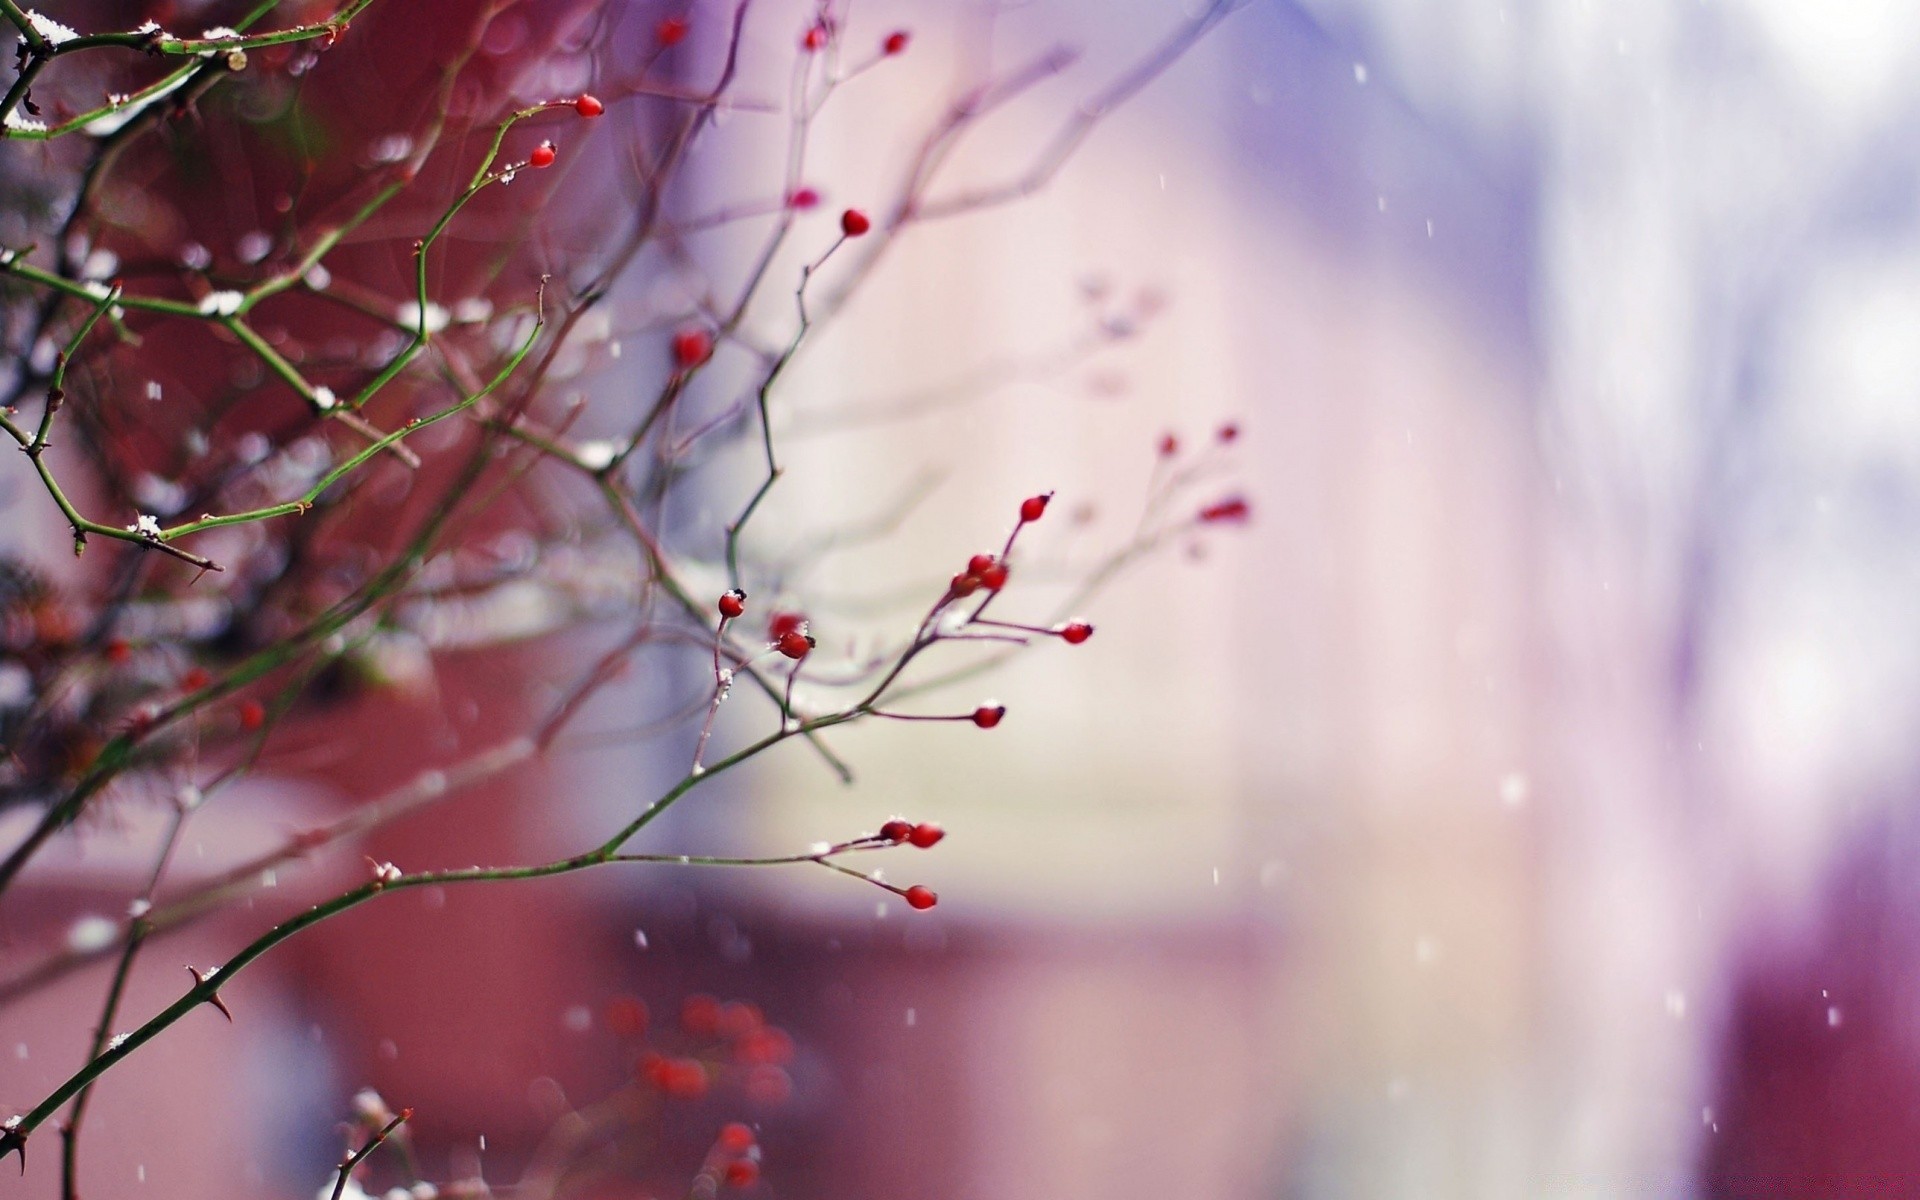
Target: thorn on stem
[{"x": 200, "y": 980}]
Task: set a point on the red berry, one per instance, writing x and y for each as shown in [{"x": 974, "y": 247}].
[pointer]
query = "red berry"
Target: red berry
[
  {"x": 896, "y": 830},
  {"x": 589, "y": 106},
  {"x": 795, "y": 645},
  {"x": 742, "y": 1172},
  {"x": 195, "y": 679},
  {"x": 768, "y": 1085},
  {"x": 978, "y": 564},
  {"x": 920, "y": 897},
  {"x": 686, "y": 1078},
  {"x": 766, "y": 1046},
  {"x": 733, "y": 604},
  {"x": 691, "y": 347},
  {"x": 1233, "y": 508},
  {"x": 853, "y": 222},
  {"x": 803, "y": 198},
  {"x": 1077, "y": 632},
  {"x": 1228, "y": 432},
  {"x": 1169, "y": 445},
  {"x": 140, "y": 720},
  {"x": 965, "y": 585},
  {"x": 896, "y": 42},
  {"x": 738, "y": 1018},
  {"x": 670, "y": 31},
  {"x": 700, "y": 1015},
  {"x": 253, "y": 715},
  {"x": 735, "y": 1138},
  {"x": 627, "y": 1015},
  {"x": 782, "y": 623},
  {"x": 994, "y": 577},
  {"x": 654, "y": 1068},
  {"x": 815, "y": 38},
  {"x": 988, "y": 715},
  {"x": 1034, "y": 507},
  {"x": 543, "y": 155},
  {"x": 925, "y": 835}
]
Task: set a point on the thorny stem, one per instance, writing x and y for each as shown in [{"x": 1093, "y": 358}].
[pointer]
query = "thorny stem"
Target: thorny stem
[
  {"x": 40, "y": 51},
  {"x": 204, "y": 989},
  {"x": 910, "y": 205},
  {"x": 116, "y": 989},
  {"x": 373, "y": 1142},
  {"x": 119, "y": 751}
]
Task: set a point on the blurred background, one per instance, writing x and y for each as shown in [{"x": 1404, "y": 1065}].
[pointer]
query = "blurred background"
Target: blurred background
[{"x": 1520, "y": 805}]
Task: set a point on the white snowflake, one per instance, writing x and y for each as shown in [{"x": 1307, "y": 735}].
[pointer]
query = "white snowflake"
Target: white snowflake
[
  {"x": 101, "y": 263},
  {"x": 597, "y": 454},
  {"x": 49, "y": 28},
  {"x": 221, "y": 304},
  {"x": 371, "y": 1107},
  {"x": 24, "y": 124},
  {"x": 148, "y": 526},
  {"x": 126, "y": 108},
  {"x": 323, "y": 398},
  {"x": 436, "y": 317}
]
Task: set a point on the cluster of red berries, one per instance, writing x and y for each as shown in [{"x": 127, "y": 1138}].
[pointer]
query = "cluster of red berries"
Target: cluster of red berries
[
  {"x": 925, "y": 835},
  {"x": 983, "y": 571},
  {"x": 736, "y": 1155},
  {"x": 788, "y": 633},
  {"x": 737, "y": 1043},
  {"x": 546, "y": 153}
]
